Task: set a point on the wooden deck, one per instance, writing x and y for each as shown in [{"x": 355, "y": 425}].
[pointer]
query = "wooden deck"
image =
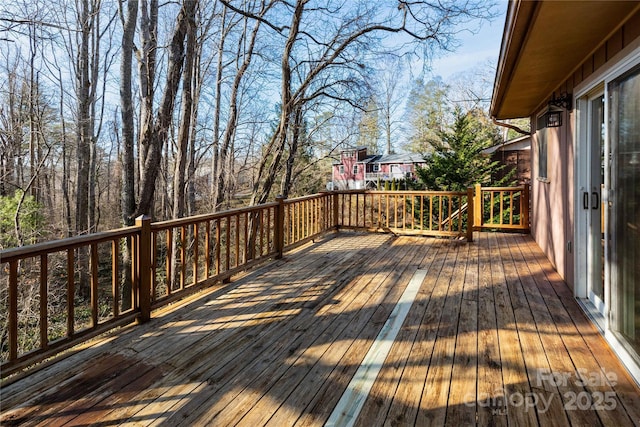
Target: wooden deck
[{"x": 493, "y": 337}]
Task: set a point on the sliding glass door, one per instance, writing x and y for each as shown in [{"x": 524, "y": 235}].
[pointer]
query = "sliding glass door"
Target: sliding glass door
[{"x": 625, "y": 208}]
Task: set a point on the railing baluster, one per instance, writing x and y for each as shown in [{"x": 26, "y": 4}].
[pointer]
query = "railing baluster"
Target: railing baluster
[
  {"x": 44, "y": 302},
  {"x": 440, "y": 213},
  {"x": 70, "y": 292},
  {"x": 246, "y": 239},
  {"x": 115, "y": 276},
  {"x": 261, "y": 225},
  {"x": 237, "y": 240},
  {"x": 492, "y": 204},
  {"x": 501, "y": 220},
  {"x": 450, "y": 213},
  {"x": 207, "y": 248},
  {"x": 413, "y": 212},
  {"x": 154, "y": 258},
  {"x": 13, "y": 310},
  {"x": 430, "y": 212},
  {"x": 169, "y": 257},
  {"x": 218, "y": 246},
  {"x": 183, "y": 257},
  {"x": 93, "y": 263},
  {"x": 511, "y": 194},
  {"x": 134, "y": 269},
  {"x": 421, "y": 212},
  {"x": 309, "y": 215},
  {"x": 195, "y": 252},
  {"x": 227, "y": 234}
]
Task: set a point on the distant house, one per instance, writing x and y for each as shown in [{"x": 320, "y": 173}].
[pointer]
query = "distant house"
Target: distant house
[
  {"x": 358, "y": 170},
  {"x": 515, "y": 154}
]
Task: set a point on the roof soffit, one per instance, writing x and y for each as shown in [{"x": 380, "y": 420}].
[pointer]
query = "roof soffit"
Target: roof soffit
[{"x": 543, "y": 44}]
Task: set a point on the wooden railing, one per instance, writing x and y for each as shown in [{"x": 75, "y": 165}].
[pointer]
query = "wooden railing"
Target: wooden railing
[
  {"x": 429, "y": 213},
  {"x": 306, "y": 218},
  {"x": 56, "y": 294},
  {"x": 501, "y": 208},
  {"x": 59, "y": 293}
]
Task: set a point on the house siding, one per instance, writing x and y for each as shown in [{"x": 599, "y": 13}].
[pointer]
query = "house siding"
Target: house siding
[{"x": 553, "y": 199}]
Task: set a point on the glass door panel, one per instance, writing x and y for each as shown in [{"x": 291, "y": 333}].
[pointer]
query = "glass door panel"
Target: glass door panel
[
  {"x": 625, "y": 218},
  {"x": 592, "y": 202}
]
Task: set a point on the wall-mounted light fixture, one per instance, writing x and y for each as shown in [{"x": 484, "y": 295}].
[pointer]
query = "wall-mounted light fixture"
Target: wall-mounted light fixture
[
  {"x": 553, "y": 117},
  {"x": 555, "y": 109}
]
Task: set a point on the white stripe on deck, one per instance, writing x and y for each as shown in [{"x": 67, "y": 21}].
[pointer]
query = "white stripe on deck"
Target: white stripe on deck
[{"x": 348, "y": 408}]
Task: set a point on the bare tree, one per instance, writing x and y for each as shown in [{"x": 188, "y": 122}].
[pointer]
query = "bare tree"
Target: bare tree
[
  {"x": 155, "y": 129},
  {"x": 129, "y": 19},
  {"x": 186, "y": 120},
  {"x": 244, "y": 56},
  {"x": 389, "y": 99},
  {"x": 332, "y": 40}
]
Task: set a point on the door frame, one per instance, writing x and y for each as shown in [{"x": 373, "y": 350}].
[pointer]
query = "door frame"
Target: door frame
[{"x": 583, "y": 184}]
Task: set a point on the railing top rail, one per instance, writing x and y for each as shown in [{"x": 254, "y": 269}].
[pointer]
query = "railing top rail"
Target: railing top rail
[
  {"x": 418, "y": 192},
  {"x": 11, "y": 254},
  {"x": 163, "y": 225},
  {"x": 303, "y": 198},
  {"x": 518, "y": 188}
]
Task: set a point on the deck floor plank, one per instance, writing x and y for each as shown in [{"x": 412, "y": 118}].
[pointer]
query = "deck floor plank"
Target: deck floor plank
[
  {"x": 490, "y": 402},
  {"x": 377, "y": 404},
  {"x": 587, "y": 349},
  {"x": 433, "y": 403},
  {"x": 266, "y": 345},
  {"x": 461, "y": 407},
  {"x": 403, "y": 409},
  {"x": 395, "y": 283},
  {"x": 319, "y": 378},
  {"x": 492, "y": 322},
  {"x": 545, "y": 397},
  {"x": 514, "y": 375},
  {"x": 332, "y": 326}
]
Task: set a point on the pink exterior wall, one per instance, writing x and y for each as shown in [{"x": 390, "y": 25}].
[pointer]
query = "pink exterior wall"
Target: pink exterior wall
[
  {"x": 552, "y": 199},
  {"x": 348, "y": 177},
  {"x": 552, "y": 216}
]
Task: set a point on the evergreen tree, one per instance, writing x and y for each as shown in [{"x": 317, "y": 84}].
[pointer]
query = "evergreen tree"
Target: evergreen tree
[{"x": 456, "y": 162}]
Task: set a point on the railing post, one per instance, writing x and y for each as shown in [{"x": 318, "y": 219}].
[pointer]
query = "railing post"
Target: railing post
[
  {"x": 524, "y": 207},
  {"x": 470, "y": 214},
  {"x": 143, "y": 273},
  {"x": 336, "y": 200},
  {"x": 477, "y": 208},
  {"x": 279, "y": 227}
]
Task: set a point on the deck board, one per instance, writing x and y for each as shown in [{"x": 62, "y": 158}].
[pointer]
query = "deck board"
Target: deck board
[{"x": 491, "y": 323}]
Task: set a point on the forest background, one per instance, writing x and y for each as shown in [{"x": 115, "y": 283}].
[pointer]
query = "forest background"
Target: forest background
[{"x": 112, "y": 109}]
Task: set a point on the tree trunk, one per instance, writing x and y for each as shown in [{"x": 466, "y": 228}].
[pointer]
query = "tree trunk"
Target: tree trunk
[
  {"x": 184, "y": 129},
  {"x": 275, "y": 148},
  {"x": 152, "y": 138},
  {"x": 293, "y": 151},
  {"x": 128, "y": 200},
  {"x": 215, "y": 158},
  {"x": 83, "y": 127}
]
